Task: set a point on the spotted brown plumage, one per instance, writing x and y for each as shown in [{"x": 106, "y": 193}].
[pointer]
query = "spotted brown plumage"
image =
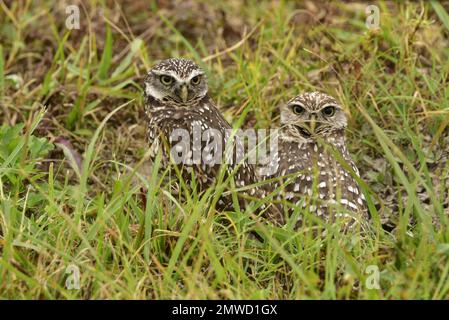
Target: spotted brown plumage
[
  {"x": 176, "y": 97},
  {"x": 163, "y": 120},
  {"x": 311, "y": 157}
]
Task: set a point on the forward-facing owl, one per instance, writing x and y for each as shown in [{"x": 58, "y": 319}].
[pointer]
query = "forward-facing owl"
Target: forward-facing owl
[
  {"x": 314, "y": 161},
  {"x": 178, "y": 106}
]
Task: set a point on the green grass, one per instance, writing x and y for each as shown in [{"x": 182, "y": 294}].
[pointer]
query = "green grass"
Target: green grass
[{"x": 74, "y": 160}]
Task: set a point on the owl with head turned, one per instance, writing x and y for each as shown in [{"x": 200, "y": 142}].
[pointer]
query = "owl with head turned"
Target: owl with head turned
[
  {"x": 313, "y": 163},
  {"x": 177, "y": 101}
]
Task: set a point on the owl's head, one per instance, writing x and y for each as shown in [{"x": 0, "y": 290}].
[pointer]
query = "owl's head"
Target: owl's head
[
  {"x": 177, "y": 80},
  {"x": 311, "y": 115}
]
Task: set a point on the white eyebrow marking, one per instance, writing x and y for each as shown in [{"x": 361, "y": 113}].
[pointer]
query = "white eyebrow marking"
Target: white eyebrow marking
[
  {"x": 169, "y": 73},
  {"x": 335, "y": 105},
  {"x": 195, "y": 73}
]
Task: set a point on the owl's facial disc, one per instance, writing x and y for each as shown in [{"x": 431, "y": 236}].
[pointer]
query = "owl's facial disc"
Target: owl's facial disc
[
  {"x": 176, "y": 80},
  {"x": 312, "y": 115},
  {"x": 313, "y": 122},
  {"x": 168, "y": 86}
]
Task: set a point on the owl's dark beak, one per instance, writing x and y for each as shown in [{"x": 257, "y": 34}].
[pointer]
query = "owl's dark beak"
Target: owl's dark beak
[{"x": 184, "y": 93}]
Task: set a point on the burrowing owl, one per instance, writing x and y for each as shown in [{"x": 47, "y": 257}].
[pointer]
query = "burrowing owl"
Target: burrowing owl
[
  {"x": 177, "y": 102},
  {"x": 312, "y": 157}
]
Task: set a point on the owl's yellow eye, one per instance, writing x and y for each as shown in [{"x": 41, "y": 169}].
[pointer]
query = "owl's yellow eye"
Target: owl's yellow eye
[
  {"x": 328, "y": 111},
  {"x": 297, "y": 109},
  {"x": 166, "y": 80},
  {"x": 195, "y": 80}
]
